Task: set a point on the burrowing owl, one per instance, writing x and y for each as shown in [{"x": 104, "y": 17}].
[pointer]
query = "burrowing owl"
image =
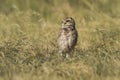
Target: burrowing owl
[{"x": 68, "y": 36}]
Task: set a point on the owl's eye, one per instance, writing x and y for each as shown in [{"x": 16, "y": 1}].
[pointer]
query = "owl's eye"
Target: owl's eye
[{"x": 68, "y": 21}]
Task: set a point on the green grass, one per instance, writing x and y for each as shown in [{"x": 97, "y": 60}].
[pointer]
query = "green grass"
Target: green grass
[{"x": 28, "y": 40}]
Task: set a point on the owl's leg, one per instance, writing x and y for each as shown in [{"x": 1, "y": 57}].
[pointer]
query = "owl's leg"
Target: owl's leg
[
  {"x": 66, "y": 55},
  {"x": 60, "y": 53},
  {"x": 63, "y": 55}
]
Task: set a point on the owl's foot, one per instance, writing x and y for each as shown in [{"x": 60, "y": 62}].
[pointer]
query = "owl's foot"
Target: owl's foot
[{"x": 65, "y": 56}]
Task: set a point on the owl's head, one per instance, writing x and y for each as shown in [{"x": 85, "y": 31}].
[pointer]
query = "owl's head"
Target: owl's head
[{"x": 68, "y": 22}]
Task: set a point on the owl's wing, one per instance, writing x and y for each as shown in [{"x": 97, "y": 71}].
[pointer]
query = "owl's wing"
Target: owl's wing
[{"x": 73, "y": 39}]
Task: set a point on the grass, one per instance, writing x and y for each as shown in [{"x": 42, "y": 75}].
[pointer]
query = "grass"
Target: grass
[{"x": 28, "y": 34}]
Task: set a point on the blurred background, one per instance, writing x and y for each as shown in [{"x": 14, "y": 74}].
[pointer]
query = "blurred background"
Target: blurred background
[{"x": 52, "y": 9}]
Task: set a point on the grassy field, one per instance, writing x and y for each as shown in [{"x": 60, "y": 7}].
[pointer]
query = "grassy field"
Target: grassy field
[{"x": 28, "y": 35}]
